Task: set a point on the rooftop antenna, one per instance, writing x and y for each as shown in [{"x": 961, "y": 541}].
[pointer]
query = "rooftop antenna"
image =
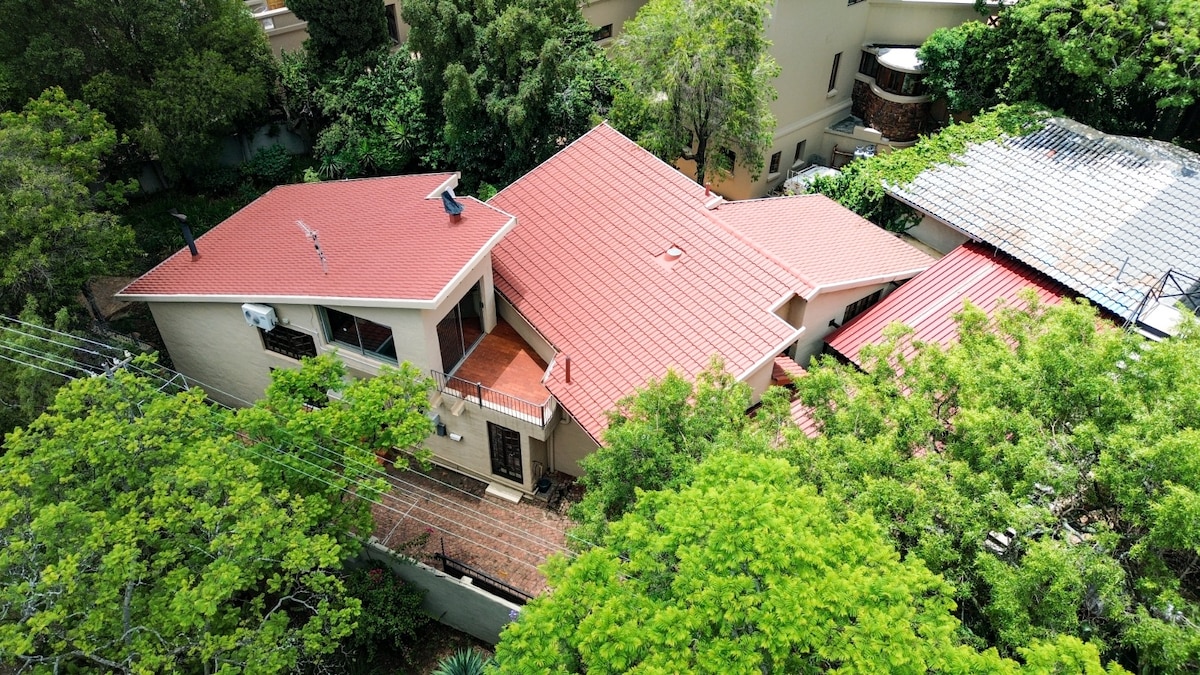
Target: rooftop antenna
[{"x": 312, "y": 236}]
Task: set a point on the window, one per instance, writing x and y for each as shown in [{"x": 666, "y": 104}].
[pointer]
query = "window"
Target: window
[
  {"x": 904, "y": 84},
  {"x": 393, "y": 26},
  {"x": 856, "y": 308},
  {"x": 775, "y": 162},
  {"x": 289, "y": 342},
  {"x": 833, "y": 72},
  {"x": 460, "y": 329},
  {"x": 602, "y": 33},
  {"x": 799, "y": 154},
  {"x": 868, "y": 64},
  {"x": 731, "y": 157},
  {"x": 365, "y": 337},
  {"x": 505, "y": 446}
]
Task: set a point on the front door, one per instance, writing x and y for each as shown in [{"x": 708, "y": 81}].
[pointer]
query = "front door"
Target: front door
[{"x": 506, "y": 452}]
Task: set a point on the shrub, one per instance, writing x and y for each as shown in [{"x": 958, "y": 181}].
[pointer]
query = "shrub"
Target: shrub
[{"x": 391, "y": 612}]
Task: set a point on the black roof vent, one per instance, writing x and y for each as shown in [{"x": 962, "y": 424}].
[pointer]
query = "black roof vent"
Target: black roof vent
[{"x": 452, "y": 206}]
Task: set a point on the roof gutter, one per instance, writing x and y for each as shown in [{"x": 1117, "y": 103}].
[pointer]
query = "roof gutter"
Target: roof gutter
[
  {"x": 754, "y": 368},
  {"x": 866, "y": 281}
]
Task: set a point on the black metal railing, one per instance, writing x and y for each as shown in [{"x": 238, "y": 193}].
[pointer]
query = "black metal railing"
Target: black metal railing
[
  {"x": 484, "y": 397},
  {"x": 487, "y": 582}
]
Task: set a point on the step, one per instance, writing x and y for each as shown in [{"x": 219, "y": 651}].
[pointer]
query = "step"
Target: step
[{"x": 504, "y": 492}]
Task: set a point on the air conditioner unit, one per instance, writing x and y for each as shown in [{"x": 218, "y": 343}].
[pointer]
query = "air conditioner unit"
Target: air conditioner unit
[{"x": 259, "y": 316}]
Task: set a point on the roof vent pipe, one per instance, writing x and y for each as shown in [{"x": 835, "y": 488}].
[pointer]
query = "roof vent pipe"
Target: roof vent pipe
[
  {"x": 567, "y": 368},
  {"x": 187, "y": 231},
  {"x": 707, "y": 189},
  {"x": 453, "y": 207}
]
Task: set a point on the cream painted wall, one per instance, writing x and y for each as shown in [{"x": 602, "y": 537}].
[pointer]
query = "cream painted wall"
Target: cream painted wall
[
  {"x": 910, "y": 22},
  {"x": 937, "y": 235},
  {"x": 569, "y": 444},
  {"x": 211, "y": 343},
  {"x": 603, "y": 12},
  {"x": 823, "y": 308},
  {"x": 472, "y": 454}
]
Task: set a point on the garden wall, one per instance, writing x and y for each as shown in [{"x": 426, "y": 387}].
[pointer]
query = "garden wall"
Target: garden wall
[{"x": 453, "y": 602}]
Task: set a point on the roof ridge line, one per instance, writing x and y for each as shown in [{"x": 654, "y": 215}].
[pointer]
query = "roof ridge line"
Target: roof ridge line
[{"x": 742, "y": 237}]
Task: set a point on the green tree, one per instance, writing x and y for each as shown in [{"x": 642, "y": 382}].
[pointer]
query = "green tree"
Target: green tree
[
  {"x": 1074, "y": 434},
  {"x": 55, "y": 231},
  {"x": 514, "y": 80},
  {"x": 151, "y": 533},
  {"x": 367, "y": 120},
  {"x": 744, "y": 570},
  {"x": 348, "y": 29},
  {"x": 655, "y": 438},
  {"x": 698, "y": 70},
  {"x": 175, "y": 77},
  {"x": 140, "y": 535},
  {"x": 26, "y": 392},
  {"x": 1124, "y": 66}
]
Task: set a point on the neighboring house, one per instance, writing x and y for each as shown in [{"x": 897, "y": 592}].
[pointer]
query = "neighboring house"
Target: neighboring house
[
  {"x": 827, "y": 51},
  {"x": 618, "y": 269},
  {"x": 971, "y": 272},
  {"x": 1108, "y": 217}
]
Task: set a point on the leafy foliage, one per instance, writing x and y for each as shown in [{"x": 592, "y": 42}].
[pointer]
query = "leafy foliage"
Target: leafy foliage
[
  {"x": 514, "y": 80},
  {"x": 140, "y": 534},
  {"x": 371, "y": 120},
  {"x": 745, "y": 569},
  {"x": 146, "y": 532},
  {"x": 862, "y": 185},
  {"x": 1076, "y": 435},
  {"x": 347, "y": 30},
  {"x": 654, "y": 439},
  {"x": 1125, "y": 66},
  {"x": 55, "y": 231},
  {"x": 391, "y": 612},
  {"x": 698, "y": 69},
  {"x": 26, "y": 392},
  {"x": 175, "y": 77},
  {"x": 270, "y": 166}
]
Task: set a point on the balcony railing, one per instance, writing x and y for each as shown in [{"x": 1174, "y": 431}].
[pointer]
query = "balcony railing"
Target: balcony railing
[{"x": 477, "y": 394}]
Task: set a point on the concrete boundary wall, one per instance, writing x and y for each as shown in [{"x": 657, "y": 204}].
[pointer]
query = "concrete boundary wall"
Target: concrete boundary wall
[{"x": 453, "y": 602}]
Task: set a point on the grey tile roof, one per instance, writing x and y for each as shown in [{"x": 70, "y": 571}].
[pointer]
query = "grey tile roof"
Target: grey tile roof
[{"x": 1104, "y": 215}]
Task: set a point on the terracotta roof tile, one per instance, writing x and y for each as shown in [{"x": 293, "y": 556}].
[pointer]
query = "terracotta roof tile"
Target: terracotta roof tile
[
  {"x": 382, "y": 238},
  {"x": 583, "y": 266},
  {"x": 822, "y": 241},
  {"x": 928, "y": 303}
]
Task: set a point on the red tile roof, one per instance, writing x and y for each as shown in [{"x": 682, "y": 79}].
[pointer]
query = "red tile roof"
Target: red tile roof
[
  {"x": 802, "y": 415},
  {"x": 825, "y": 243},
  {"x": 385, "y": 243},
  {"x": 928, "y": 303},
  {"x": 588, "y": 267}
]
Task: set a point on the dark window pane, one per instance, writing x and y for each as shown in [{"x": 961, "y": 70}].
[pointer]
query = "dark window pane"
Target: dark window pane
[{"x": 292, "y": 343}]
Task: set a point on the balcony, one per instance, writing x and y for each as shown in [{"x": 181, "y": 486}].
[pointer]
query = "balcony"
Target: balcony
[{"x": 502, "y": 373}]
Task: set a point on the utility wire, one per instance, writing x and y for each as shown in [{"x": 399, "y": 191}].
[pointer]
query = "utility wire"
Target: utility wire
[{"x": 415, "y": 493}]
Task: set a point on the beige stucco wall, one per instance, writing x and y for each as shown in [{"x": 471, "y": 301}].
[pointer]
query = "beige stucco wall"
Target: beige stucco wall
[
  {"x": 910, "y": 21},
  {"x": 211, "y": 343},
  {"x": 568, "y": 445},
  {"x": 823, "y": 308},
  {"x": 472, "y": 453},
  {"x": 603, "y": 12},
  {"x": 937, "y": 235}
]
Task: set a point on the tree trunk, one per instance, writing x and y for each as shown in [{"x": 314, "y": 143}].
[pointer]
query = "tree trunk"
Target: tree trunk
[{"x": 701, "y": 158}]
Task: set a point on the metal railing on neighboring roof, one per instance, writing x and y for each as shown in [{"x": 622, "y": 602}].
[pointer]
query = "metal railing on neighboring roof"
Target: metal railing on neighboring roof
[{"x": 485, "y": 397}]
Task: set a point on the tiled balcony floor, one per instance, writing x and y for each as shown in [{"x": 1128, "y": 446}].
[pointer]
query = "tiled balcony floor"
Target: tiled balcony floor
[
  {"x": 504, "y": 362},
  {"x": 507, "y": 541}
]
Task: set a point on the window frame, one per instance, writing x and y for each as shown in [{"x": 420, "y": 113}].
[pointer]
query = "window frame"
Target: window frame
[
  {"x": 861, "y": 305},
  {"x": 799, "y": 160},
  {"x": 776, "y": 160},
  {"x": 358, "y": 348},
  {"x": 833, "y": 72},
  {"x": 271, "y": 340},
  {"x": 506, "y": 437}
]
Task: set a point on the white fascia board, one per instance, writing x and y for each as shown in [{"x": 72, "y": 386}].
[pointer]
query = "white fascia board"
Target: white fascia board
[
  {"x": 869, "y": 281},
  {"x": 448, "y": 184},
  {"x": 754, "y": 368},
  {"x": 483, "y": 252}
]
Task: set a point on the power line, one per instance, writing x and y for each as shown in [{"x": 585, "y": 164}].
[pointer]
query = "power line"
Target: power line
[
  {"x": 44, "y": 370},
  {"x": 411, "y": 491}
]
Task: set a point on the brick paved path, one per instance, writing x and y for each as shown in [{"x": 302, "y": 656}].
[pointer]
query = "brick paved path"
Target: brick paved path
[{"x": 508, "y": 541}]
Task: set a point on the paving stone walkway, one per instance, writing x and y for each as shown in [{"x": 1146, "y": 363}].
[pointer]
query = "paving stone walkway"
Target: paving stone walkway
[{"x": 507, "y": 541}]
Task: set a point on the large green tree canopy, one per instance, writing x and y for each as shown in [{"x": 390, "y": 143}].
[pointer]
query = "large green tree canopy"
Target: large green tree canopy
[
  {"x": 55, "y": 231},
  {"x": 173, "y": 76},
  {"x": 1076, "y": 435},
  {"x": 143, "y": 532},
  {"x": 514, "y": 80},
  {"x": 1123, "y": 66},
  {"x": 698, "y": 71},
  {"x": 747, "y": 570}
]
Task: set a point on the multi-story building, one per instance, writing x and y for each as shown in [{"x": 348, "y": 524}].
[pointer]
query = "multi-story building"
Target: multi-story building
[{"x": 827, "y": 50}]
